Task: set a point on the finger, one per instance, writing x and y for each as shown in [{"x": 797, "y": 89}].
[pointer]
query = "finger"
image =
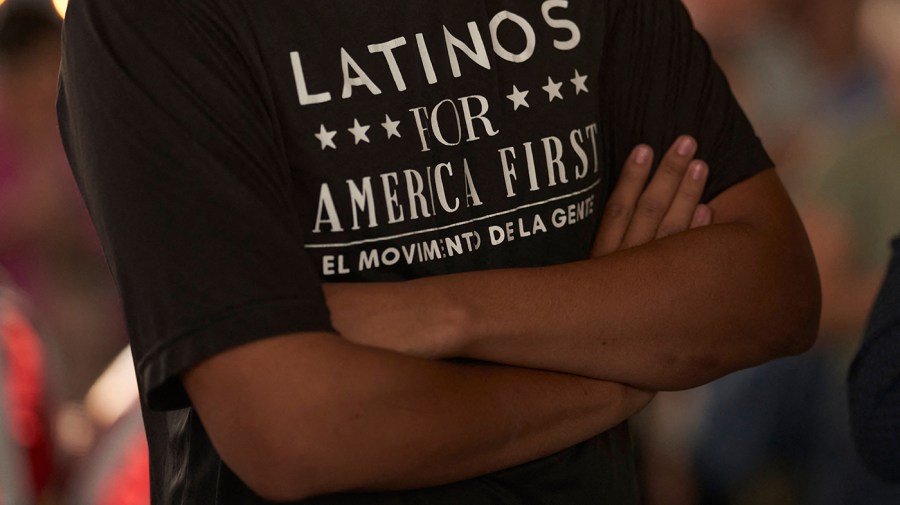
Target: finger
[
  {"x": 622, "y": 201},
  {"x": 703, "y": 216},
  {"x": 655, "y": 201},
  {"x": 682, "y": 210}
]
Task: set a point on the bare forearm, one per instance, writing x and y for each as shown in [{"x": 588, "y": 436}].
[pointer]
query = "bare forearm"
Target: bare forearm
[
  {"x": 673, "y": 314},
  {"x": 379, "y": 420},
  {"x": 670, "y": 314}
]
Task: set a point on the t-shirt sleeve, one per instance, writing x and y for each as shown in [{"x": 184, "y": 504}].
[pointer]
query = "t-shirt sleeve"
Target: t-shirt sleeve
[
  {"x": 661, "y": 82},
  {"x": 178, "y": 155}
]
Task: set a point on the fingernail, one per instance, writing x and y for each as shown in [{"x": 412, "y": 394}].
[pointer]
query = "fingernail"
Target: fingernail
[
  {"x": 686, "y": 146},
  {"x": 642, "y": 155},
  {"x": 698, "y": 171}
]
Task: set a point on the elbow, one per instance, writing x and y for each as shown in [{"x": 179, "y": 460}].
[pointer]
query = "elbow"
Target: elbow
[
  {"x": 796, "y": 308},
  {"x": 282, "y": 475},
  {"x": 805, "y": 329},
  {"x": 290, "y": 465},
  {"x": 806, "y": 306},
  {"x": 281, "y": 463},
  {"x": 283, "y": 434},
  {"x": 273, "y": 474},
  {"x": 798, "y": 327},
  {"x": 274, "y": 488}
]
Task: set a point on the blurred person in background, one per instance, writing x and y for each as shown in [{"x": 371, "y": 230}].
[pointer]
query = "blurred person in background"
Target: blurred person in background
[
  {"x": 874, "y": 382},
  {"x": 779, "y": 433},
  {"x": 848, "y": 195},
  {"x": 874, "y": 379}
]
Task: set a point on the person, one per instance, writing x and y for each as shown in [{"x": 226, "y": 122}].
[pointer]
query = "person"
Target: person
[
  {"x": 355, "y": 241},
  {"x": 874, "y": 402},
  {"x": 872, "y": 390},
  {"x": 840, "y": 157},
  {"x": 874, "y": 397}
]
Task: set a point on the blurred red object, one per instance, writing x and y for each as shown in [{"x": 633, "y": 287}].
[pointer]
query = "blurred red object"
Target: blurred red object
[
  {"x": 24, "y": 383},
  {"x": 129, "y": 484},
  {"x": 117, "y": 472}
]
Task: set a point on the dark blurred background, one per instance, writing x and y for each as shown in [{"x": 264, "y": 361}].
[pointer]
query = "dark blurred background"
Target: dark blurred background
[{"x": 820, "y": 80}]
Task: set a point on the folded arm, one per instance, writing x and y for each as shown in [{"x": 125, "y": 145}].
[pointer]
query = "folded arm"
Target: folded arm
[
  {"x": 669, "y": 314},
  {"x": 379, "y": 420},
  {"x": 351, "y": 418}
]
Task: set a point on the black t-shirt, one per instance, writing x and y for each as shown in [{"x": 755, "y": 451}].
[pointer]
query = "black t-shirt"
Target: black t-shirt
[{"x": 235, "y": 154}]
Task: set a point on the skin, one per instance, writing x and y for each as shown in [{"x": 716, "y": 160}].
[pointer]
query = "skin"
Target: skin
[
  {"x": 378, "y": 412},
  {"x": 630, "y": 314}
]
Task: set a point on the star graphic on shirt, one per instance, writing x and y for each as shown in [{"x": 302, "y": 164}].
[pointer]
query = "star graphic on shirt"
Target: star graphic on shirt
[
  {"x": 518, "y": 98},
  {"x": 391, "y": 127},
  {"x": 553, "y": 89},
  {"x": 360, "y": 132},
  {"x": 326, "y": 137},
  {"x": 579, "y": 82}
]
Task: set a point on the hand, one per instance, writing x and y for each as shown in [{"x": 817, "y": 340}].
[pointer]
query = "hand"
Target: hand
[
  {"x": 375, "y": 314},
  {"x": 670, "y": 204}
]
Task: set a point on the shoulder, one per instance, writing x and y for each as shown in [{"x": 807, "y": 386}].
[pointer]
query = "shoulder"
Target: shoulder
[{"x": 118, "y": 21}]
